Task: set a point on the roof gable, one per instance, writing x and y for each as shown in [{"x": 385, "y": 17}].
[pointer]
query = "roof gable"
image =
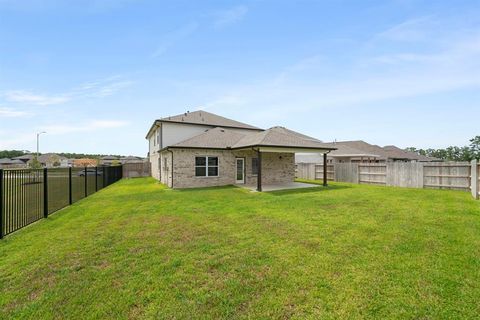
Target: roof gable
[
  {"x": 216, "y": 138},
  {"x": 206, "y": 118}
]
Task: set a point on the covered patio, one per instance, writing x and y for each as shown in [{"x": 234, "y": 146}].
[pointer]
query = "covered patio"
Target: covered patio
[
  {"x": 284, "y": 143},
  {"x": 290, "y": 184}
]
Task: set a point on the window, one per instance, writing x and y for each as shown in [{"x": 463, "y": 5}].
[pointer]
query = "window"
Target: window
[
  {"x": 254, "y": 165},
  {"x": 206, "y": 166}
]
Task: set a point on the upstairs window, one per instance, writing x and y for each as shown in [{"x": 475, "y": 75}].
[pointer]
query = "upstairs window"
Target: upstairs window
[
  {"x": 254, "y": 165},
  {"x": 206, "y": 166}
]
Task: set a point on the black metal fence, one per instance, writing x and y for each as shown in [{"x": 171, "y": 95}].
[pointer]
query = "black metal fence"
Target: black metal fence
[{"x": 28, "y": 195}]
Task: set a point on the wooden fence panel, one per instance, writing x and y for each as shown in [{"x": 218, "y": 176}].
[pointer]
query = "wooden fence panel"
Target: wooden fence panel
[
  {"x": 305, "y": 171},
  {"x": 319, "y": 172},
  {"x": 447, "y": 175},
  {"x": 372, "y": 173},
  {"x": 405, "y": 174},
  {"x": 346, "y": 172},
  {"x": 136, "y": 170}
]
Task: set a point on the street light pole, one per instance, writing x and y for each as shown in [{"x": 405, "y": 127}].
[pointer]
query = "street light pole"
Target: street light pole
[{"x": 38, "y": 142}]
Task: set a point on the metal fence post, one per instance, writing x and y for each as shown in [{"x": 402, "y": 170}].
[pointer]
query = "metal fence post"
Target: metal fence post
[
  {"x": 86, "y": 182},
  {"x": 1, "y": 204},
  {"x": 70, "y": 185},
  {"x": 96, "y": 179},
  {"x": 45, "y": 192},
  {"x": 105, "y": 176}
]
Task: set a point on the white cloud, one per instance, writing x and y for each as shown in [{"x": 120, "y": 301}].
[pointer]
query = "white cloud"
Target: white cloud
[
  {"x": 170, "y": 39},
  {"x": 95, "y": 89},
  {"x": 89, "y": 126},
  {"x": 417, "y": 29},
  {"x": 230, "y": 16},
  {"x": 407, "y": 71},
  {"x": 22, "y": 96},
  {"x": 11, "y": 113}
]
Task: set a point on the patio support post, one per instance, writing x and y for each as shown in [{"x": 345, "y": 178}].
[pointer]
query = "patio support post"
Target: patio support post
[
  {"x": 325, "y": 170},
  {"x": 259, "y": 175}
]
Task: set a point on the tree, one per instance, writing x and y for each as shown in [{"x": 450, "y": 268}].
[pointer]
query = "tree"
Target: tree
[
  {"x": 475, "y": 147},
  {"x": 34, "y": 163},
  {"x": 11, "y": 153},
  {"x": 453, "y": 153}
]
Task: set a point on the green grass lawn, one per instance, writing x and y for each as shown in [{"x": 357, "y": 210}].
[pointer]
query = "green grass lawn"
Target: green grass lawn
[{"x": 138, "y": 250}]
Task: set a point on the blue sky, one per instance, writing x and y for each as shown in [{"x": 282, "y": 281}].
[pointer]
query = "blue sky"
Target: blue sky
[{"x": 95, "y": 74}]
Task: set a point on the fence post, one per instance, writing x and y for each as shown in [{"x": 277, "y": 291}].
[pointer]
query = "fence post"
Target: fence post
[
  {"x": 325, "y": 177},
  {"x": 1, "y": 204},
  {"x": 474, "y": 179},
  {"x": 96, "y": 179},
  {"x": 70, "y": 185},
  {"x": 45, "y": 192},
  {"x": 86, "y": 182}
]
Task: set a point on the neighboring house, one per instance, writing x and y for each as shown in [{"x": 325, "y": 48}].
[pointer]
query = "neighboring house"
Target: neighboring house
[
  {"x": 132, "y": 159},
  {"x": 24, "y": 158},
  {"x": 200, "y": 149},
  {"x": 51, "y": 160},
  {"x": 361, "y": 151},
  {"x": 47, "y": 160},
  {"x": 6, "y": 163},
  {"x": 109, "y": 160},
  {"x": 84, "y": 163}
]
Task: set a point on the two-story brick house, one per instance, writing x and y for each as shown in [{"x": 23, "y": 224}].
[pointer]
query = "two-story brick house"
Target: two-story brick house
[{"x": 201, "y": 149}]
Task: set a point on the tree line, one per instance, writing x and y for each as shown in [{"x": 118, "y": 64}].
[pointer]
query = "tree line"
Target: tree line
[
  {"x": 453, "y": 153},
  {"x": 17, "y": 153}
]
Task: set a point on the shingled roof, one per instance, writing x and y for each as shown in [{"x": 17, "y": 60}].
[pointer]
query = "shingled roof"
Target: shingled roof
[
  {"x": 397, "y": 153},
  {"x": 222, "y": 138},
  {"x": 281, "y": 137},
  {"x": 382, "y": 153},
  {"x": 206, "y": 118}
]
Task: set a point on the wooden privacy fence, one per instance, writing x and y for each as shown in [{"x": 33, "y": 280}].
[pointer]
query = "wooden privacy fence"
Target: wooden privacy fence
[
  {"x": 440, "y": 175},
  {"x": 136, "y": 170},
  {"x": 312, "y": 171}
]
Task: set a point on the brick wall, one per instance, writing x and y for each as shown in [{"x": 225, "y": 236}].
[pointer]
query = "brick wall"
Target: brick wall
[{"x": 276, "y": 168}]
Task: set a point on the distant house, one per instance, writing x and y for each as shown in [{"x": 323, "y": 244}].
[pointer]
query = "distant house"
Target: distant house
[
  {"x": 200, "y": 149},
  {"x": 46, "y": 160},
  {"x": 24, "y": 158},
  {"x": 109, "y": 160},
  {"x": 132, "y": 159},
  {"x": 6, "y": 163},
  {"x": 361, "y": 151},
  {"x": 50, "y": 160},
  {"x": 84, "y": 162}
]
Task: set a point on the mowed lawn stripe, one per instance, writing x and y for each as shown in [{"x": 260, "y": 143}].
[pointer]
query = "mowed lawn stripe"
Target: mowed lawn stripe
[{"x": 138, "y": 250}]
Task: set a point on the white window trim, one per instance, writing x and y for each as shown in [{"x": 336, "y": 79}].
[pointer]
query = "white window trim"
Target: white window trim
[{"x": 207, "y": 166}]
